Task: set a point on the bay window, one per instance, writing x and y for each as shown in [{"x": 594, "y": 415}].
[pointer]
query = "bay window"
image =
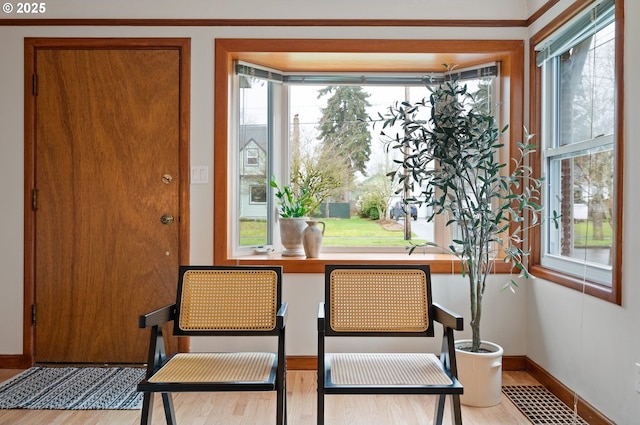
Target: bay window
[
  {"x": 327, "y": 138},
  {"x": 269, "y": 98}
]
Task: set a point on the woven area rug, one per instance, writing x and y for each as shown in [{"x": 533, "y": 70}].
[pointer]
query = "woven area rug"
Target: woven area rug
[
  {"x": 73, "y": 388},
  {"x": 540, "y": 406}
]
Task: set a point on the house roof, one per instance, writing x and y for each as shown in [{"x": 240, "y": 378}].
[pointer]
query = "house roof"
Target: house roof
[{"x": 256, "y": 133}]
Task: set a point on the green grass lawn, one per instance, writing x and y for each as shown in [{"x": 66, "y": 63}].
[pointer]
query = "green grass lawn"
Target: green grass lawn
[
  {"x": 355, "y": 231},
  {"x": 362, "y": 232},
  {"x": 583, "y": 235},
  {"x": 253, "y": 233},
  {"x": 358, "y": 231}
]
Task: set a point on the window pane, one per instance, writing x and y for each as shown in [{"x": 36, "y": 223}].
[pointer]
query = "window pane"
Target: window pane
[
  {"x": 331, "y": 145},
  {"x": 579, "y": 110},
  {"x": 321, "y": 121},
  {"x": 585, "y": 184},
  {"x": 258, "y": 194},
  {"x": 586, "y": 89},
  {"x": 252, "y": 156},
  {"x": 252, "y": 164}
]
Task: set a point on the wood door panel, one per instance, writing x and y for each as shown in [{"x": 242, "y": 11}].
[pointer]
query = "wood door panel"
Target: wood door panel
[{"x": 107, "y": 131}]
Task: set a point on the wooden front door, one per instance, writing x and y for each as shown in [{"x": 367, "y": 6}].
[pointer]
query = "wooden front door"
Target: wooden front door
[{"x": 106, "y": 200}]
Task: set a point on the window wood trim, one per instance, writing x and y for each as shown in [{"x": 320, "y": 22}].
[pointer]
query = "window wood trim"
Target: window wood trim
[
  {"x": 613, "y": 294},
  {"x": 258, "y": 22},
  {"x": 510, "y": 53}
]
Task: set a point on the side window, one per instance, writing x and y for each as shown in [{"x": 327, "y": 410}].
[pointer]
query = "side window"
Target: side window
[
  {"x": 252, "y": 147},
  {"x": 579, "y": 142}
]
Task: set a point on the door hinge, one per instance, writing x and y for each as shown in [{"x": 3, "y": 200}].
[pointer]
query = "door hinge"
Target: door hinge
[
  {"x": 33, "y": 314},
  {"x": 34, "y": 84},
  {"x": 34, "y": 199}
]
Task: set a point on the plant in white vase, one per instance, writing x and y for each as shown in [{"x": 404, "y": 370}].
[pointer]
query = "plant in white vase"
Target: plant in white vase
[
  {"x": 296, "y": 207},
  {"x": 294, "y": 203}
]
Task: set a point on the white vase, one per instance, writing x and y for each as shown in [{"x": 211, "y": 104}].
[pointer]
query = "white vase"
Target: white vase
[
  {"x": 291, "y": 236},
  {"x": 312, "y": 238},
  {"x": 480, "y": 373}
]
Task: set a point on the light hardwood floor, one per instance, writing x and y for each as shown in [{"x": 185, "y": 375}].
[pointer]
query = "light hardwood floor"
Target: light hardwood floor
[{"x": 259, "y": 408}]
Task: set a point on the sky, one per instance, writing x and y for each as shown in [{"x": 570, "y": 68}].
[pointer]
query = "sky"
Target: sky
[{"x": 304, "y": 102}]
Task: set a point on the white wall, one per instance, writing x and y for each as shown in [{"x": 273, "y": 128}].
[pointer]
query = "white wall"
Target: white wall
[
  {"x": 202, "y": 45},
  {"x": 589, "y": 345},
  {"x": 11, "y": 195}
]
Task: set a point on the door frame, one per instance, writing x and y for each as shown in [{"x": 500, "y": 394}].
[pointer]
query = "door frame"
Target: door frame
[{"x": 31, "y": 46}]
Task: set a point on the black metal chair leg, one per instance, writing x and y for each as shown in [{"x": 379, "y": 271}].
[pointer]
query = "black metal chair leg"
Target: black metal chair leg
[
  {"x": 284, "y": 410},
  {"x": 169, "y": 411},
  {"x": 320, "y": 415},
  {"x": 284, "y": 403},
  {"x": 147, "y": 409},
  {"x": 281, "y": 412},
  {"x": 439, "y": 411},
  {"x": 456, "y": 413}
]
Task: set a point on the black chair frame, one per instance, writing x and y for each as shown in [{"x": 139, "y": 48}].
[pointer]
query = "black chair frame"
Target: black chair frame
[
  {"x": 450, "y": 322},
  {"x": 157, "y": 356}
]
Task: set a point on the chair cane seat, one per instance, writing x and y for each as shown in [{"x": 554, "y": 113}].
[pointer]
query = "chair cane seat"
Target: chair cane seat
[
  {"x": 387, "y": 369},
  {"x": 216, "y": 367}
]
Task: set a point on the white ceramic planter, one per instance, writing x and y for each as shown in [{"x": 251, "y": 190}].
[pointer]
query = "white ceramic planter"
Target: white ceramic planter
[
  {"x": 291, "y": 236},
  {"x": 480, "y": 374}
]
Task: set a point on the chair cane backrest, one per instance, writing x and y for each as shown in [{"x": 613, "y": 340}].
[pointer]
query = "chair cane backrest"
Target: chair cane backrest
[
  {"x": 379, "y": 299},
  {"x": 227, "y": 299}
]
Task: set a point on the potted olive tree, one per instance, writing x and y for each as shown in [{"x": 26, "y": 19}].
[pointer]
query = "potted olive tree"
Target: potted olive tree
[{"x": 452, "y": 160}]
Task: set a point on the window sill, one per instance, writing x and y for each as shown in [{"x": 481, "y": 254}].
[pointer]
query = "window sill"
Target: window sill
[
  {"x": 590, "y": 288},
  {"x": 440, "y": 263}
]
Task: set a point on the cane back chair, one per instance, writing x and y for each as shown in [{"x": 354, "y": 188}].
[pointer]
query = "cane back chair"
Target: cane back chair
[
  {"x": 385, "y": 301},
  {"x": 218, "y": 301}
]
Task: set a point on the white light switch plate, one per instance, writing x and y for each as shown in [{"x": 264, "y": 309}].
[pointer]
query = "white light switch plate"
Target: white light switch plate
[{"x": 199, "y": 174}]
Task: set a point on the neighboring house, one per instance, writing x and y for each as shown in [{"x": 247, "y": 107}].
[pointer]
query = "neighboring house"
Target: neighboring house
[{"x": 252, "y": 171}]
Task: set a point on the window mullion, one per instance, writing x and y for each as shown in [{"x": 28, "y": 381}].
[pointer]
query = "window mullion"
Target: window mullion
[{"x": 580, "y": 146}]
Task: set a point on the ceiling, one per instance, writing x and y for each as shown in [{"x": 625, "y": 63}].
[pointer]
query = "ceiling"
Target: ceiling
[{"x": 370, "y": 62}]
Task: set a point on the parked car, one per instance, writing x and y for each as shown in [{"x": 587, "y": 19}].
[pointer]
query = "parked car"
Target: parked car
[{"x": 397, "y": 212}]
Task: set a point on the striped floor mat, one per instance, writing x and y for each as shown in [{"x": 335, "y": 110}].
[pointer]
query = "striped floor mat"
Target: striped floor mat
[
  {"x": 73, "y": 388},
  {"x": 540, "y": 406}
]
